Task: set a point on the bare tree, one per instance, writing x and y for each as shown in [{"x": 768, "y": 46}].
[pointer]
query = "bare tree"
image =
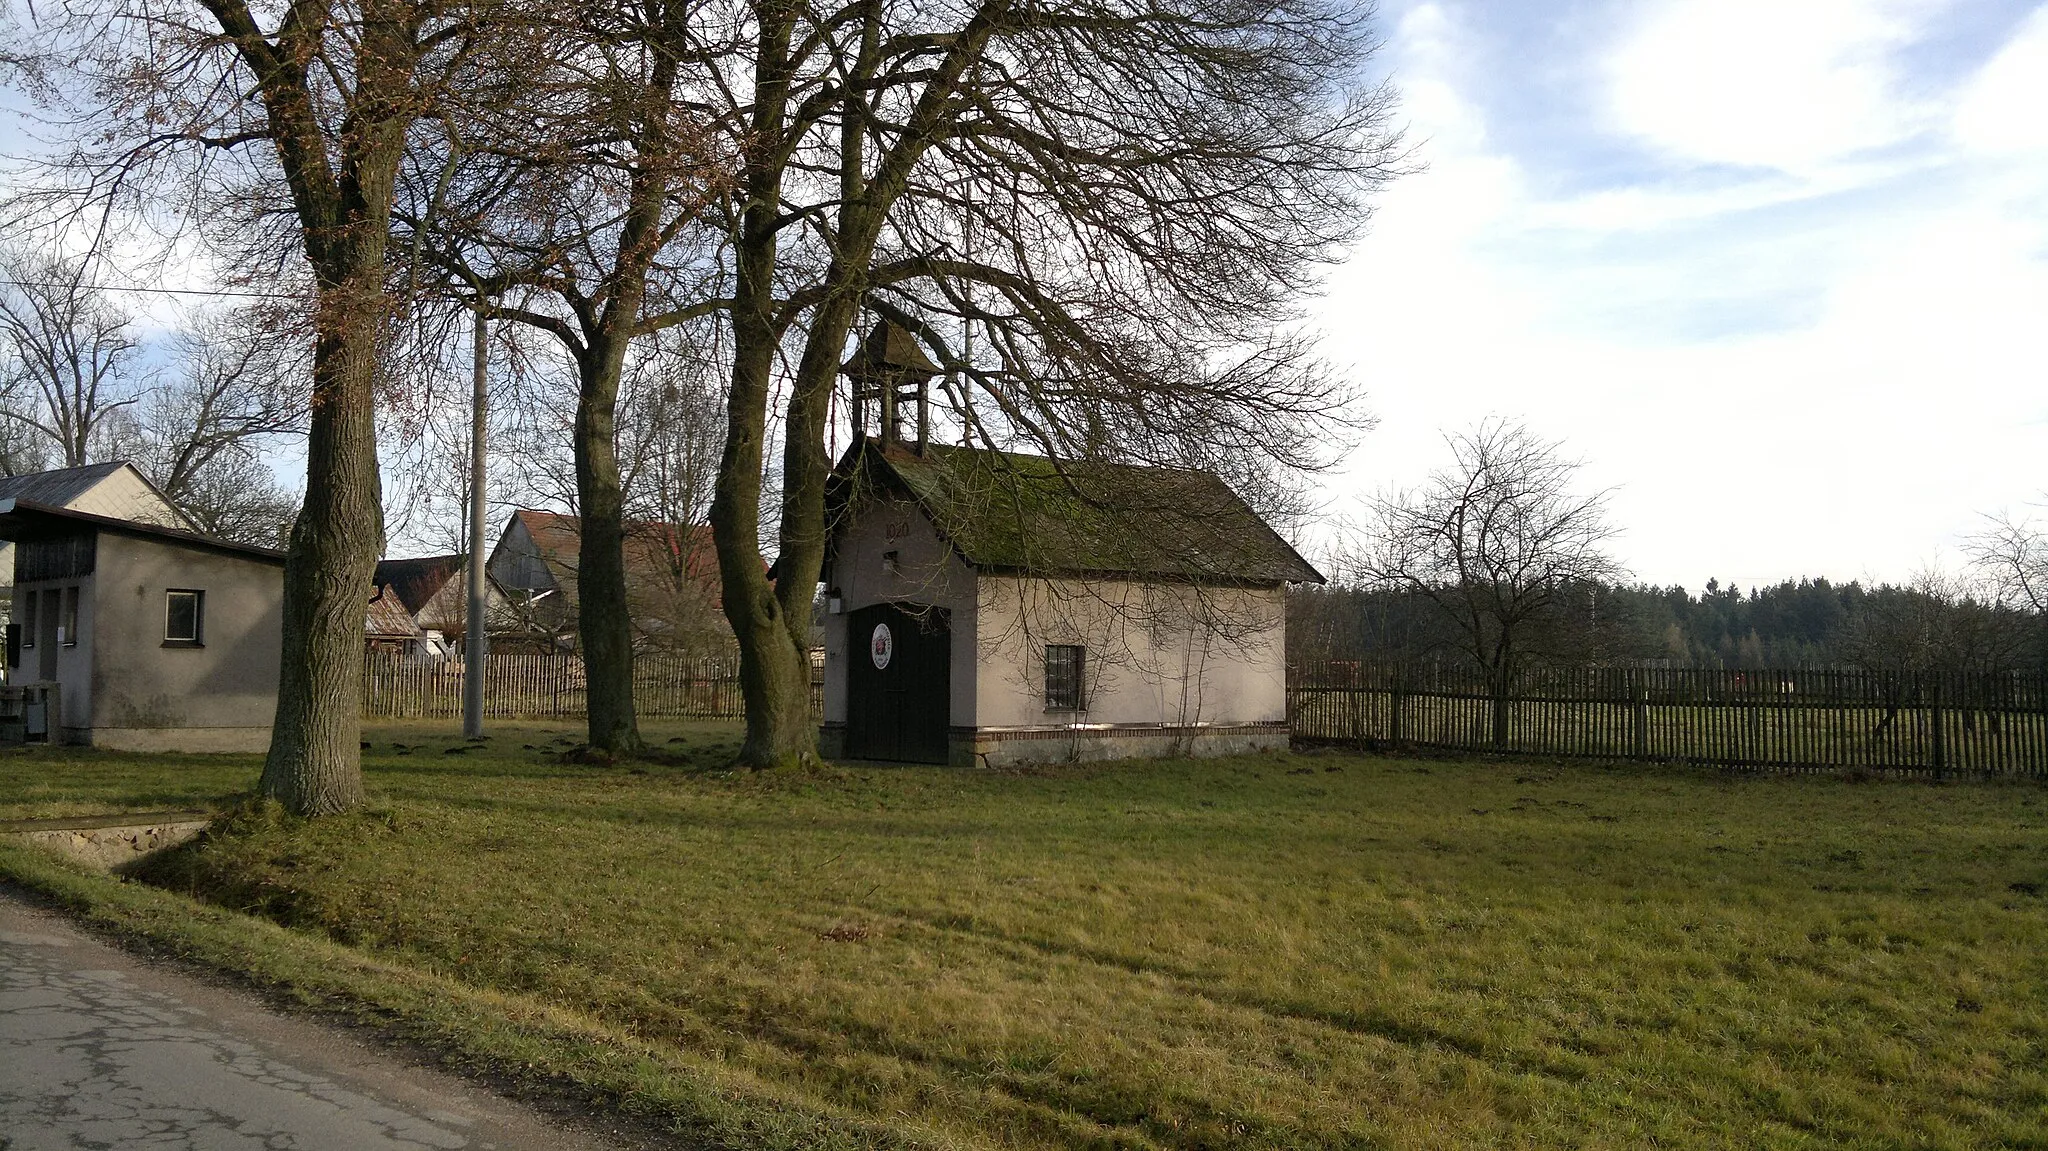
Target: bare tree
[
  {"x": 200, "y": 433},
  {"x": 2010, "y": 553},
  {"x": 669, "y": 421},
  {"x": 75, "y": 391},
  {"x": 277, "y": 132},
  {"x": 672, "y": 424},
  {"x": 573, "y": 210},
  {"x": 22, "y": 449},
  {"x": 1499, "y": 542},
  {"x": 2009, "y": 558},
  {"x": 1934, "y": 629},
  {"x": 67, "y": 356},
  {"x": 1123, "y": 200},
  {"x": 1936, "y": 624},
  {"x": 674, "y": 428}
]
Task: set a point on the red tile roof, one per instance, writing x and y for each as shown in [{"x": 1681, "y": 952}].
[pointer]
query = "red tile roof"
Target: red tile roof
[{"x": 652, "y": 547}]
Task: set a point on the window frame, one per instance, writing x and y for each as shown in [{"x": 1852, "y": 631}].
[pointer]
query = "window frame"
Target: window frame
[
  {"x": 67, "y": 616},
  {"x": 1070, "y": 664},
  {"x": 198, "y": 636},
  {"x": 26, "y": 614}
]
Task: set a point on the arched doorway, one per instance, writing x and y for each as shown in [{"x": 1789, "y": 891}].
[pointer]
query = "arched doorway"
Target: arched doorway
[{"x": 899, "y": 697}]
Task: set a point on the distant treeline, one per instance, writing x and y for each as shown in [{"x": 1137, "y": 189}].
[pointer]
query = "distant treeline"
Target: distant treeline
[{"x": 1930, "y": 625}]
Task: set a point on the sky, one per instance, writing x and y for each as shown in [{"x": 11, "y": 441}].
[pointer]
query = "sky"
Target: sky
[{"x": 1776, "y": 271}]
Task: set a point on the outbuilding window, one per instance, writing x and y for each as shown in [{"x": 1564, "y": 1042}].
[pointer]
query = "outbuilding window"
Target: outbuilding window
[
  {"x": 1065, "y": 665},
  {"x": 67, "y": 623},
  {"x": 184, "y": 618},
  {"x": 28, "y": 618}
]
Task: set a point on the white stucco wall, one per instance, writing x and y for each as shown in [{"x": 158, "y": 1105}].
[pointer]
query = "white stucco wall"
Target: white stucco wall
[
  {"x": 926, "y": 571},
  {"x": 1156, "y": 653},
  {"x": 124, "y": 495},
  {"x": 142, "y": 685}
]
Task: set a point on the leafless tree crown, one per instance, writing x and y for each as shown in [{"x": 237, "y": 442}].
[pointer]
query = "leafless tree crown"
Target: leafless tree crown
[{"x": 1497, "y": 540}]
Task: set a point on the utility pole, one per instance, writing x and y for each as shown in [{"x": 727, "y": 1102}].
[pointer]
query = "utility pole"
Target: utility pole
[{"x": 474, "y": 622}]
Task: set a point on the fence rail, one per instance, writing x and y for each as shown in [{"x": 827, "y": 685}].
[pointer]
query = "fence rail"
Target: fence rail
[
  {"x": 1980, "y": 724},
  {"x": 1975, "y": 723},
  {"x": 522, "y": 685}
]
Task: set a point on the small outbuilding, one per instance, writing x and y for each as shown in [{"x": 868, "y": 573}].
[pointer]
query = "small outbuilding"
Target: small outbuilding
[
  {"x": 114, "y": 489},
  {"x": 986, "y": 608},
  {"x": 157, "y": 639}
]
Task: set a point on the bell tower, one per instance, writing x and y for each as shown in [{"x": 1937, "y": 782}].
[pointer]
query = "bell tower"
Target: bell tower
[{"x": 890, "y": 372}]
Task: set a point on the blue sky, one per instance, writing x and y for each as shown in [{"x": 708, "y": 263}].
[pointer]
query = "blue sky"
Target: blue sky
[{"x": 1777, "y": 271}]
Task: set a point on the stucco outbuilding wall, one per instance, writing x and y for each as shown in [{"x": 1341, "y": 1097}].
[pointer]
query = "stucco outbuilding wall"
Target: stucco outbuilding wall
[
  {"x": 1156, "y": 653},
  {"x": 217, "y": 697}
]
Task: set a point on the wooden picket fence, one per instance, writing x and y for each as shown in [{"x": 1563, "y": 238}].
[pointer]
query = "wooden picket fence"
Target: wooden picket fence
[
  {"x": 1788, "y": 720},
  {"x": 1991, "y": 724},
  {"x": 550, "y": 685}
]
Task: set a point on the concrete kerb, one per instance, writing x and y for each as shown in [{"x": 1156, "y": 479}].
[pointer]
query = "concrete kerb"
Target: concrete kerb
[{"x": 110, "y": 842}]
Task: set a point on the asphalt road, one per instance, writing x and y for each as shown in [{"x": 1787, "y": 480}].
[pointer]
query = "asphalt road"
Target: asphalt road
[{"x": 101, "y": 1049}]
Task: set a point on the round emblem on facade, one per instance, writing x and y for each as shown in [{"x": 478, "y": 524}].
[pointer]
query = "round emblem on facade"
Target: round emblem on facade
[{"x": 881, "y": 646}]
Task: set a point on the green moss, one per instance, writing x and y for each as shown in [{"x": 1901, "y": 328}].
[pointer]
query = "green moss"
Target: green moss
[{"x": 1009, "y": 511}]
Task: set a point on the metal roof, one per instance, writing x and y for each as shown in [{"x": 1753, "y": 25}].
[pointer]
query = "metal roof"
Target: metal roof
[{"x": 57, "y": 487}]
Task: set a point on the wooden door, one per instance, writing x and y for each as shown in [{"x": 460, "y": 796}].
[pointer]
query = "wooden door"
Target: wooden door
[{"x": 899, "y": 697}]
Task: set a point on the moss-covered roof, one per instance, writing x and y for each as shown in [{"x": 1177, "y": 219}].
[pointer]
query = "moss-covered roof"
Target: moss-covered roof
[{"x": 1029, "y": 514}]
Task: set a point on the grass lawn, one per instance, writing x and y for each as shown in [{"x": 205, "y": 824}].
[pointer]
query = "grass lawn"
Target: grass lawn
[{"x": 1318, "y": 950}]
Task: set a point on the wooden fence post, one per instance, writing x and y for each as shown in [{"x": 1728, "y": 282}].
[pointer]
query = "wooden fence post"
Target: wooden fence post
[
  {"x": 1940, "y": 741},
  {"x": 1639, "y": 714},
  {"x": 1394, "y": 694}
]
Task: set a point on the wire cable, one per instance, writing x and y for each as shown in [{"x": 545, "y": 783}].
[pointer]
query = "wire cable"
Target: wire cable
[{"x": 158, "y": 291}]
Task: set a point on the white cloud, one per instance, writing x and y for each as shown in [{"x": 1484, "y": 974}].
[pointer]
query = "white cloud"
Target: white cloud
[
  {"x": 2005, "y": 107},
  {"x": 1762, "y": 83},
  {"x": 1854, "y": 440}
]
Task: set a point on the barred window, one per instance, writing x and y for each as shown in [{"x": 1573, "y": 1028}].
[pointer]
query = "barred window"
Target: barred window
[{"x": 1064, "y": 668}]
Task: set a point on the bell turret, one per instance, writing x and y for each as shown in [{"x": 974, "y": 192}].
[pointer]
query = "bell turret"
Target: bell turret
[{"x": 889, "y": 371}]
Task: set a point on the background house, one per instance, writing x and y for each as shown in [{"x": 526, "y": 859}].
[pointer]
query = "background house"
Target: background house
[
  {"x": 671, "y": 584},
  {"x": 115, "y": 489},
  {"x": 419, "y": 606},
  {"x": 159, "y": 639},
  {"x": 989, "y": 608}
]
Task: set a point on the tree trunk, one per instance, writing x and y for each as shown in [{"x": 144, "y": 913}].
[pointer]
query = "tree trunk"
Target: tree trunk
[
  {"x": 775, "y": 674},
  {"x": 1503, "y": 684},
  {"x": 315, "y": 764},
  {"x": 343, "y": 202},
  {"x": 604, "y": 619},
  {"x": 775, "y": 671},
  {"x": 805, "y": 465}
]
